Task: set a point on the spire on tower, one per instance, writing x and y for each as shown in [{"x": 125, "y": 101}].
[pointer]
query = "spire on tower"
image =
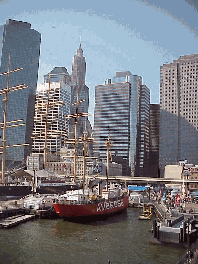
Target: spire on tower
[{"x": 80, "y": 51}]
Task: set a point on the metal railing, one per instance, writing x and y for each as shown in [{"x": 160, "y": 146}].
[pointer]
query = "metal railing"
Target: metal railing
[{"x": 190, "y": 256}]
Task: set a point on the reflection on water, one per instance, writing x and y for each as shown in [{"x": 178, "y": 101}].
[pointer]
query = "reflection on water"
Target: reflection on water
[{"x": 120, "y": 239}]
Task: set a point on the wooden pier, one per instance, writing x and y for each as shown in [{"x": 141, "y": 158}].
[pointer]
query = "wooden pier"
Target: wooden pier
[{"x": 15, "y": 220}]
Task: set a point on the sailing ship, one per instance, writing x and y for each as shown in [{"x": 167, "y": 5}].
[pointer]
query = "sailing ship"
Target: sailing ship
[
  {"x": 20, "y": 189},
  {"x": 94, "y": 203}
]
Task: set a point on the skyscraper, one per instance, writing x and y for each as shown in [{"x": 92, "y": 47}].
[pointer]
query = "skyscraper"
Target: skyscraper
[
  {"x": 178, "y": 111},
  {"x": 135, "y": 82},
  {"x": 78, "y": 69},
  {"x": 154, "y": 140},
  {"x": 58, "y": 74},
  {"x": 79, "y": 88},
  {"x": 118, "y": 106},
  {"x": 23, "y": 43},
  {"x": 57, "y": 122},
  {"x": 142, "y": 140}
]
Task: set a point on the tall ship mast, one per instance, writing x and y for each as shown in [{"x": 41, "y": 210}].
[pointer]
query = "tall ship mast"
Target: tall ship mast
[
  {"x": 75, "y": 141},
  {"x": 48, "y": 97},
  {"x": 12, "y": 123}
]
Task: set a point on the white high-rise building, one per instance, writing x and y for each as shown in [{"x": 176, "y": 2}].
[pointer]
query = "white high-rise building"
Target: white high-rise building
[
  {"x": 59, "y": 108},
  {"x": 179, "y": 111}
]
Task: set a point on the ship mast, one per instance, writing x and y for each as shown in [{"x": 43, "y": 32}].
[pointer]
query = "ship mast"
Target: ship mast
[
  {"x": 75, "y": 136},
  {"x": 85, "y": 140},
  {"x": 4, "y": 122},
  {"x": 13, "y": 123},
  {"x": 44, "y": 108},
  {"x": 76, "y": 116},
  {"x": 108, "y": 143},
  {"x": 84, "y": 160},
  {"x": 45, "y": 138}
]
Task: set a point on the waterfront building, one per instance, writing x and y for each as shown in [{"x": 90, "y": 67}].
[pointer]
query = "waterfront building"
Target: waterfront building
[
  {"x": 178, "y": 111},
  {"x": 115, "y": 169},
  {"x": 118, "y": 114},
  {"x": 59, "y": 91},
  {"x": 66, "y": 157},
  {"x": 193, "y": 175},
  {"x": 154, "y": 118},
  {"x": 35, "y": 162},
  {"x": 23, "y": 44}
]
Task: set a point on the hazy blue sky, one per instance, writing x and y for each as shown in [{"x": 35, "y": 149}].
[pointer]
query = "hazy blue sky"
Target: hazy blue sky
[{"x": 116, "y": 35}]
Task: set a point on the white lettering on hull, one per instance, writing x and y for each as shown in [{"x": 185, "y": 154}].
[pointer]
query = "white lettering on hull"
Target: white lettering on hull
[{"x": 109, "y": 205}]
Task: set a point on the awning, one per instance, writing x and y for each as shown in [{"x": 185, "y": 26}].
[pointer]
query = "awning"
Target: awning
[{"x": 137, "y": 188}]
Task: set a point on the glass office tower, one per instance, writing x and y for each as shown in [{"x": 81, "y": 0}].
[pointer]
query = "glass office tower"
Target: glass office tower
[
  {"x": 23, "y": 43},
  {"x": 111, "y": 117},
  {"x": 122, "y": 110},
  {"x": 135, "y": 84}
]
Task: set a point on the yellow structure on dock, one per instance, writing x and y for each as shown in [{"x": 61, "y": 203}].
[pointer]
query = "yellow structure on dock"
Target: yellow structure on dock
[{"x": 147, "y": 213}]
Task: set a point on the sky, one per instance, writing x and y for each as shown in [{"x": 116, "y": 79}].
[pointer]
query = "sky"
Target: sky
[{"x": 129, "y": 35}]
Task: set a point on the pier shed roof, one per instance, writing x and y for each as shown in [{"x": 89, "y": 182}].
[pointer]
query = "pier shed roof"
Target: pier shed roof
[{"x": 137, "y": 188}]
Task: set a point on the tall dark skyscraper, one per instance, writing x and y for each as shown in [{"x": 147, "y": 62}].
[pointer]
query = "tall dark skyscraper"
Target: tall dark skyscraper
[
  {"x": 154, "y": 120},
  {"x": 142, "y": 140},
  {"x": 78, "y": 87},
  {"x": 23, "y": 43}
]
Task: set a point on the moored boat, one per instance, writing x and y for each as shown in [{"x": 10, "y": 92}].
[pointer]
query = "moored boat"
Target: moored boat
[
  {"x": 75, "y": 204},
  {"x": 45, "y": 187},
  {"x": 88, "y": 203}
]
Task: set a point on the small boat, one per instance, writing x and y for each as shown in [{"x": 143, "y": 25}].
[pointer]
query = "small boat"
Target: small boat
[{"x": 147, "y": 213}]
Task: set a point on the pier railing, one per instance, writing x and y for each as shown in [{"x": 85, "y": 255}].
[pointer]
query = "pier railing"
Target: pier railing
[
  {"x": 190, "y": 256},
  {"x": 160, "y": 209}
]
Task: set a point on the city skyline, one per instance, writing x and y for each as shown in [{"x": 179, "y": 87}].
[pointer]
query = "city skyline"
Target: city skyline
[{"x": 114, "y": 37}]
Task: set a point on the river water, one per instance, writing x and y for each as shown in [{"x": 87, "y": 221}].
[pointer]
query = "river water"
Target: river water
[{"x": 120, "y": 239}]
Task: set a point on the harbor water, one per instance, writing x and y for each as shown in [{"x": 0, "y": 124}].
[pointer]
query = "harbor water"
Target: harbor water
[{"x": 119, "y": 239}]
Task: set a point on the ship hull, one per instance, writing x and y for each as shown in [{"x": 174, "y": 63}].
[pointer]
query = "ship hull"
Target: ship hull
[
  {"x": 91, "y": 211},
  {"x": 20, "y": 190}
]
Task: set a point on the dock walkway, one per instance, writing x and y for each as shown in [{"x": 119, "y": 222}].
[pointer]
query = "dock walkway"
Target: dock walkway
[{"x": 15, "y": 220}]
